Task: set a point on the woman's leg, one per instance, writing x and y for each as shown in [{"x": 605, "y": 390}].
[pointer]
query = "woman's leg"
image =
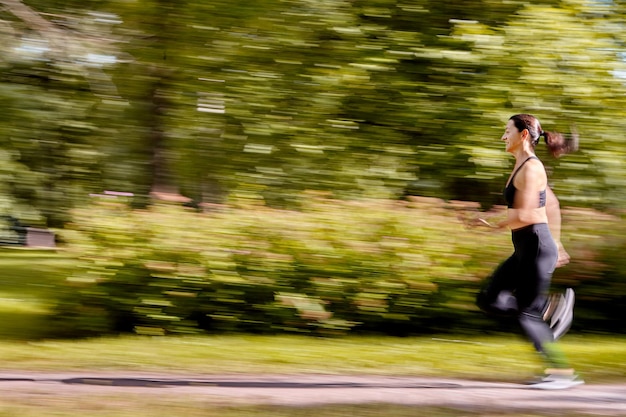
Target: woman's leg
[
  {"x": 496, "y": 295},
  {"x": 541, "y": 337},
  {"x": 538, "y": 254}
]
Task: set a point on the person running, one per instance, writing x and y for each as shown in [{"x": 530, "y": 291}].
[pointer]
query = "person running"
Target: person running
[{"x": 520, "y": 285}]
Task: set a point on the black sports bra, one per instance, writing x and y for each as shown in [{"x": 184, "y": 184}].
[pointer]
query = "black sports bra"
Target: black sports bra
[{"x": 509, "y": 190}]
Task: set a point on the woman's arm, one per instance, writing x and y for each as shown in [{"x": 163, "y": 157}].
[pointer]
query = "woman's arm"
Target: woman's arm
[{"x": 553, "y": 210}]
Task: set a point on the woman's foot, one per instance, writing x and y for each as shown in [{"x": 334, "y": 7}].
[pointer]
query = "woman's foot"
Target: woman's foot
[
  {"x": 555, "y": 379},
  {"x": 559, "y": 313}
]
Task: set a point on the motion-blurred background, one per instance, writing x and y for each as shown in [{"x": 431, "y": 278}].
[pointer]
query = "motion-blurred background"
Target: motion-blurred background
[{"x": 297, "y": 165}]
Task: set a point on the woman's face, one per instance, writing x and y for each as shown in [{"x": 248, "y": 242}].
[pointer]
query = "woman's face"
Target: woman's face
[{"x": 512, "y": 137}]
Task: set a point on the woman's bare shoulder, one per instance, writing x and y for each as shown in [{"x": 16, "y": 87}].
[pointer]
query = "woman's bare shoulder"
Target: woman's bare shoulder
[{"x": 533, "y": 172}]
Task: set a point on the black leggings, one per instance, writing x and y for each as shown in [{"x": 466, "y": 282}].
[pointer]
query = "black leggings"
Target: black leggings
[{"x": 519, "y": 286}]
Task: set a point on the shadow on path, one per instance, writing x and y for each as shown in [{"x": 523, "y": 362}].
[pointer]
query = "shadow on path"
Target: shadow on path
[{"x": 159, "y": 383}]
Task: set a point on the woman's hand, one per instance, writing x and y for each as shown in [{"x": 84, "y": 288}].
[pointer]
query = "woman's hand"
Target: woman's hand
[
  {"x": 563, "y": 257},
  {"x": 472, "y": 222},
  {"x": 500, "y": 225},
  {"x": 480, "y": 222}
]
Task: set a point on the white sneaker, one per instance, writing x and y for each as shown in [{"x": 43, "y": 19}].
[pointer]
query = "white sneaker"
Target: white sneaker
[
  {"x": 564, "y": 315},
  {"x": 556, "y": 382},
  {"x": 559, "y": 313}
]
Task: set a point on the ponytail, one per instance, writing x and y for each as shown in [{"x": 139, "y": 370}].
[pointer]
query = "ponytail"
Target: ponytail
[{"x": 558, "y": 144}]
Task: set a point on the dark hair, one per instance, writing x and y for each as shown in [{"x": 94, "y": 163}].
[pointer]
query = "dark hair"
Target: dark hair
[{"x": 558, "y": 144}]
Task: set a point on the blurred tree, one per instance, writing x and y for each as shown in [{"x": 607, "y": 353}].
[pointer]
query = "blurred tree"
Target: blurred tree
[
  {"x": 264, "y": 100},
  {"x": 57, "y": 97},
  {"x": 563, "y": 64}
]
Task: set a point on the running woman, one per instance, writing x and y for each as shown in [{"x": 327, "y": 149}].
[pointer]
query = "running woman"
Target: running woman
[{"x": 519, "y": 286}]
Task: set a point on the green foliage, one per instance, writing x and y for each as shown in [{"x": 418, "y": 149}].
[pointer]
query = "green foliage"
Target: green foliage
[
  {"x": 536, "y": 63},
  {"x": 598, "y": 269},
  {"x": 370, "y": 265},
  {"x": 266, "y": 99},
  {"x": 332, "y": 267},
  {"x": 56, "y": 97}
]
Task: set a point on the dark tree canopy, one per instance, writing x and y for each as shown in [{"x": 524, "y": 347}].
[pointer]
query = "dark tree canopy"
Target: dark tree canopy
[{"x": 264, "y": 100}]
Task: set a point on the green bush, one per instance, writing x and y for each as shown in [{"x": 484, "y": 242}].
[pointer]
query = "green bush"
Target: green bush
[
  {"x": 334, "y": 266},
  {"x": 598, "y": 269}
]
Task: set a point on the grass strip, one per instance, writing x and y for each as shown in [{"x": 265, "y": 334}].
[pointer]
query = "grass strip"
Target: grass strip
[{"x": 504, "y": 357}]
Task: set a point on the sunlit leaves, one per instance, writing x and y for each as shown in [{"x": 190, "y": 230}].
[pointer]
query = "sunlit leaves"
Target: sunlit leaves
[
  {"x": 271, "y": 98},
  {"x": 560, "y": 64}
]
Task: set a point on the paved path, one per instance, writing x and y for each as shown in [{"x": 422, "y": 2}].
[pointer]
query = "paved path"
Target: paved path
[{"x": 301, "y": 390}]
